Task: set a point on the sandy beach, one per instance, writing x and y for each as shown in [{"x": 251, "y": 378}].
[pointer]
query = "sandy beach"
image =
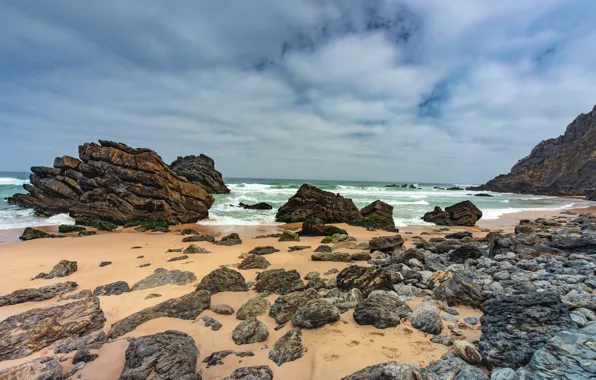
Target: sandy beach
[{"x": 334, "y": 350}]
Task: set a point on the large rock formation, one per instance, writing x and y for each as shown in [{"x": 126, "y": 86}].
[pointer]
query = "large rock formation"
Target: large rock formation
[
  {"x": 115, "y": 183},
  {"x": 310, "y": 201},
  {"x": 565, "y": 165},
  {"x": 460, "y": 214},
  {"x": 377, "y": 215},
  {"x": 200, "y": 170}
]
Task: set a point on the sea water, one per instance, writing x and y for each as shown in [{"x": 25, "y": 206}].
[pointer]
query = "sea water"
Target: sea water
[{"x": 409, "y": 204}]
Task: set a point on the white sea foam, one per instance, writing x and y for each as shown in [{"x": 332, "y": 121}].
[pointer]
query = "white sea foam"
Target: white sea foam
[
  {"x": 491, "y": 214},
  {"x": 12, "y": 181},
  {"x": 231, "y": 221}
]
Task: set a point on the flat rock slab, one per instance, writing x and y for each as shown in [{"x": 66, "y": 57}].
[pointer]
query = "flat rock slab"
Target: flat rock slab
[
  {"x": 187, "y": 307},
  {"x": 37, "y": 294},
  {"x": 163, "y": 356},
  {"x": 165, "y": 277},
  {"x": 33, "y": 330},
  {"x": 113, "y": 289}
]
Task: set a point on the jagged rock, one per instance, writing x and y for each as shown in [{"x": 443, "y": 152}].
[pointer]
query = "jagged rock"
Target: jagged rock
[
  {"x": 460, "y": 214},
  {"x": 288, "y": 347},
  {"x": 187, "y": 307},
  {"x": 86, "y": 293},
  {"x": 382, "y": 309},
  {"x": 223, "y": 280},
  {"x": 279, "y": 281},
  {"x": 427, "y": 318},
  {"x": 256, "y": 206},
  {"x": 62, "y": 269},
  {"x": 310, "y": 201},
  {"x": 288, "y": 235},
  {"x": 251, "y": 330},
  {"x": 561, "y": 166},
  {"x": 459, "y": 290},
  {"x": 313, "y": 227},
  {"x": 162, "y": 277},
  {"x": 229, "y": 240},
  {"x": 285, "y": 305},
  {"x": 178, "y": 258},
  {"x": 377, "y": 215},
  {"x": 452, "y": 367},
  {"x": 253, "y": 308},
  {"x": 83, "y": 355},
  {"x": 104, "y": 264},
  {"x": 192, "y": 249},
  {"x": 163, "y": 356},
  {"x": 514, "y": 327},
  {"x": 254, "y": 262},
  {"x": 463, "y": 253},
  {"x": 365, "y": 279},
  {"x": 266, "y": 250},
  {"x": 331, "y": 256},
  {"x": 112, "y": 289},
  {"x": 196, "y": 238},
  {"x": 295, "y": 248},
  {"x": 32, "y": 234},
  {"x": 467, "y": 351},
  {"x": 36, "y": 369},
  {"x": 261, "y": 372},
  {"x": 211, "y": 322},
  {"x": 315, "y": 313},
  {"x": 93, "y": 340},
  {"x": 28, "y": 332},
  {"x": 387, "y": 244},
  {"x": 216, "y": 358},
  {"x": 115, "y": 183},
  {"x": 37, "y": 294},
  {"x": 200, "y": 170},
  {"x": 386, "y": 371},
  {"x": 568, "y": 355}
]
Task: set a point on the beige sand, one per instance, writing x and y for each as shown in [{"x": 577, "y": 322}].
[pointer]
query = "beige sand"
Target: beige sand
[{"x": 333, "y": 351}]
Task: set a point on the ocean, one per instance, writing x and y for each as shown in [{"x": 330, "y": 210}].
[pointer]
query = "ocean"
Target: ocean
[{"x": 409, "y": 204}]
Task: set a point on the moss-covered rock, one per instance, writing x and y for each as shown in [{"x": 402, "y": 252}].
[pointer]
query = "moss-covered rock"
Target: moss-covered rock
[
  {"x": 153, "y": 225},
  {"x": 32, "y": 234},
  {"x": 101, "y": 225},
  {"x": 87, "y": 233},
  {"x": 332, "y": 230},
  {"x": 201, "y": 237},
  {"x": 231, "y": 239},
  {"x": 375, "y": 222},
  {"x": 66, "y": 228},
  {"x": 327, "y": 240},
  {"x": 288, "y": 235}
]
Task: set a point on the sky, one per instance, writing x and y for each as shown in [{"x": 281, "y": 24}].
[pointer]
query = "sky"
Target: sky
[{"x": 410, "y": 90}]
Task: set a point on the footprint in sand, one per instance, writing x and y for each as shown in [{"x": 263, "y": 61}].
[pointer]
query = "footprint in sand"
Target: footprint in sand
[
  {"x": 330, "y": 357},
  {"x": 375, "y": 333},
  {"x": 390, "y": 352},
  {"x": 403, "y": 331},
  {"x": 352, "y": 343},
  {"x": 420, "y": 347}
]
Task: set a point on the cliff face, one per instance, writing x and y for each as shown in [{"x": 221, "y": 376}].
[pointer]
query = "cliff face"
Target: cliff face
[
  {"x": 565, "y": 165},
  {"x": 115, "y": 183},
  {"x": 201, "y": 171}
]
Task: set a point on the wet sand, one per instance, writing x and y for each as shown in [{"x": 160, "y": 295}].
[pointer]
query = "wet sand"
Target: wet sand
[{"x": 334, "y": 350}]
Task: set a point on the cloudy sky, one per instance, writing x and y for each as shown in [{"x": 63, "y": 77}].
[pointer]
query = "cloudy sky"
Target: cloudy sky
[{"x": 408, "y": 90}]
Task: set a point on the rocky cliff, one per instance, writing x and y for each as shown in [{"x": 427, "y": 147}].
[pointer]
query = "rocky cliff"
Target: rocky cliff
[
  {"x": 116, "y": 183},
  {"x": 201, "y": 171},
  {"x": 565, "y": 165}
]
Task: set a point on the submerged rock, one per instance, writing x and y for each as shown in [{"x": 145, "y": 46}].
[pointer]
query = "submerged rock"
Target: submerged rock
[
  {"x": 288, "y": 347},
  {"x": 28, "y": 332},
  {"x": 162, "y": 277},
  {"x": 187, "y": 307},
  {"x": 37, "y": 294},
  {"x": 256, "y": 206},
  {"x": 162, "y": 356}
]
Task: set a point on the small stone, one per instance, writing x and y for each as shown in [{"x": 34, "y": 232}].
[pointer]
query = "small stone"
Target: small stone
[
  {"x": 178, "y": 258},
  {"x": 222, "y": 309},
  {"x": 471, "y": 320},
  {"x": 105, "y": 263},
  {"x": 467, "y": 351},
  {"x": 211, "y": 322},
  {"x": 153, "y": 295},
  {"x": 113, "y": 289}
]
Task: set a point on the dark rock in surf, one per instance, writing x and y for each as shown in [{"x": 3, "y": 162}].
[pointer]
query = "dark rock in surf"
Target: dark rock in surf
[{"x": 461, "y": 214}]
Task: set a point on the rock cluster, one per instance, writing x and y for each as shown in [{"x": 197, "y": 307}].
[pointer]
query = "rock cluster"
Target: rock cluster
[
  {"x": 460, "y": 214},
  {"x": 200, "y": 170},
  {"x": 116, "y": 183}
]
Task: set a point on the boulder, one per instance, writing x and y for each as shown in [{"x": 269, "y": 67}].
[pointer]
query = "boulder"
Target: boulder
[
  {"x": 463, "y": 253},
  {"x": 459, "y": 235},
  {"x": 165, "y": 277},
  {"x": 115, "y": 183},
  {"x": 187, "y": 307},
  {"x": 62, "y": 269},
  {"x": 256, "y": 206},
  {"x": 285, "y": 305},
  {"x": 197, "y": 238},
  {"x": 260, "y": 372},
  {"x": 167, "y": 355},
  {"x": 37, "y": 294},
  {"x": 365, "y": 279},
  {"x": 427, "y": 318},
  {"x": 313, "y": 227},
  {"x": 192, "y": 249},
  {"x": 222, "y": 309},
  {"x": 200, "y": 170},
  {"x": 279, "y": 281},
  {"x": 315, "y": 313},
  {"x": 382, "y": 309},
  {"x": 310, "y": 201},
  {"x": 223, "y": 280},
  {"x": 323, "y": 248},
  {"x": 288, "y": 235},
  {"x": 288, "y": 347},
  {"x": 251, "y": 330},
  {"x": 254, "y": 307},
  {"x": 386, "y": 371},
  {"x": 32, "y": 234},
  {"x": 266, "y": 250},
  {"x": 459, "y": 289},
  {"x": 467, "y": 351},
  {"x": 93, "y": 340},
  {"x": 36, "y": 369},
  {"x": 254, "y": 262},
  {"x": 387, "y": 244},
  {"x": 229, "y": 240},
  {"x": 451, "y": 366},
  {"x": 31, "y": 331},
  {"x": 514, "y": 327},
  {"x": 83, "y": 356},
  {"x": 461, "y": 214},
  {"x": 331, "y": 256},
  {"x": 377, "y": 215},
  {"x": 211, "y": 322},
  {"x": 112, "y": 289}
]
